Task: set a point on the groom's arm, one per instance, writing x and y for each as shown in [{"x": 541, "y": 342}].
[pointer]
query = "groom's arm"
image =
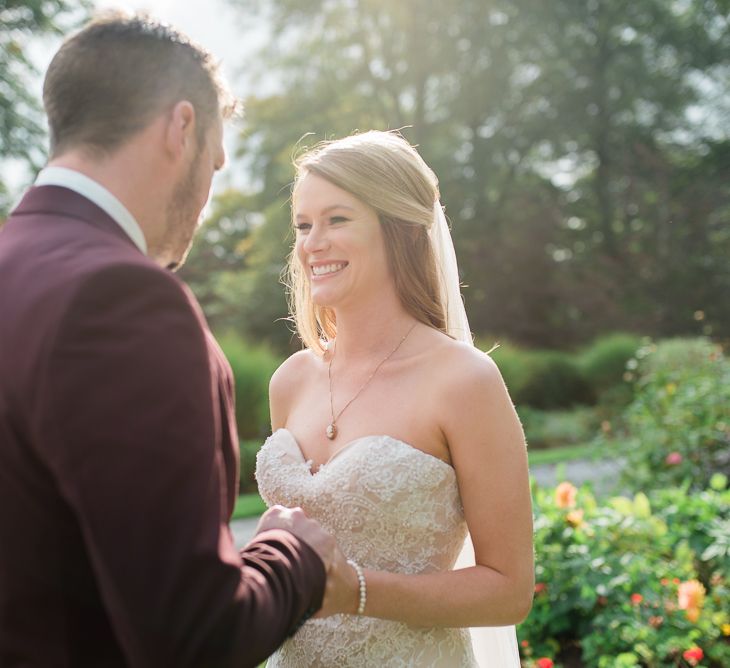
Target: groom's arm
[{"x": 126, "y": 424}]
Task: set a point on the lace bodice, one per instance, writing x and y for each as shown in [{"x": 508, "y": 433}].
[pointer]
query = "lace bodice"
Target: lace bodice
[{"x": 391, "y": 507}]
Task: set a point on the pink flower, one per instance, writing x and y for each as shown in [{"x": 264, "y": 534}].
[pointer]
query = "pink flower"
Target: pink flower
[
  {"x": 691, "y": 595},
  {"x": 673, "y": 458},
  {"x": 565, "y": 494}
]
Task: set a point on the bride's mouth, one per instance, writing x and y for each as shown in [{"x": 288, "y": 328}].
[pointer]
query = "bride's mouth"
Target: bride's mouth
[{"x": 322, "y": 271}]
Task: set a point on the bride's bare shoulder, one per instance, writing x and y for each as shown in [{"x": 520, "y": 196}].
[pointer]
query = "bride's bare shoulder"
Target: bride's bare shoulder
[
  {"x": 294, "y": 370},
  {"x": 462, "y": 365}
]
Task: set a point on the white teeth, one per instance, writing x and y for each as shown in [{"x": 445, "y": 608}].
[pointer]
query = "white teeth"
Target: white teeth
[{"x": 327, "y": 269}]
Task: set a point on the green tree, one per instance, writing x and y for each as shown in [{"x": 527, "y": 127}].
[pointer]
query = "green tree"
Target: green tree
[
  {"x": 559, "y": 132},
  {"x": 21, "y": 127}
]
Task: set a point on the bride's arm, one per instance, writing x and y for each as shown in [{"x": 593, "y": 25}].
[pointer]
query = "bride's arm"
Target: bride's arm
[{"x": 488, "y": 452}]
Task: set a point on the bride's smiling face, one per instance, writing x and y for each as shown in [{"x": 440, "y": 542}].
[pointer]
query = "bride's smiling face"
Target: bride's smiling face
[{"x": 339, "y": 243}]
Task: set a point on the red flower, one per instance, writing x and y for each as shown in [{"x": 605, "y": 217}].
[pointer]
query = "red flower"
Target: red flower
[
  {"x": 636, "y": 599},
  {"x": 525, "y": 643},
  {"x": 664, "y": 581},
  {"x": 540, "y": 587},
  {"x": 693, "y": 655},
  {"x": 544, "y": 662}
]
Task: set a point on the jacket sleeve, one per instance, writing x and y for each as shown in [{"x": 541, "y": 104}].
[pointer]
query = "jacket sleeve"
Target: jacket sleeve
[{"x": 126, "y": 424}]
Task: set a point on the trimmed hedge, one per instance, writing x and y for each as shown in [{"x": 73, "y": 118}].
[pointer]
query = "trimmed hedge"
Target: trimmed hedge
[{"x": 252, "y": 368}]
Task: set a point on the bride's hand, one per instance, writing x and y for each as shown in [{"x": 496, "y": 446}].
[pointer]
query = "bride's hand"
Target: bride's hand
[{"x": 342, "y": 591}]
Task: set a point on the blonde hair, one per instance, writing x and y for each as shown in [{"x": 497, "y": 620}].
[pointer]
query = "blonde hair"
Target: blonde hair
[{"x": 384, "y": 171}]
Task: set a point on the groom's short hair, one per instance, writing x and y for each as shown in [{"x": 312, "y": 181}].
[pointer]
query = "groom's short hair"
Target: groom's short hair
[{"x": 110, "y": 80}]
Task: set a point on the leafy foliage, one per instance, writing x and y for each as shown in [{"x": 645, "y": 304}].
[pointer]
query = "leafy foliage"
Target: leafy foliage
[
  {"x": 632, "y": 582},
  {"x": 21, "y": 128},
  {"x": 679, "y": 423},
  {"x": 252, "y": 368},
  {"x": 582, "y": 195}
]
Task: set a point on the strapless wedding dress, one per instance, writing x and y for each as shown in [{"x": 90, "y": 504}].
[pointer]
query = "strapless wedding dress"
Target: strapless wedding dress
[{"x": 392, "y": 508}]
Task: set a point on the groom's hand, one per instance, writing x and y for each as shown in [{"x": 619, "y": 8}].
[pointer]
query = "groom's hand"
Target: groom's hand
[{"x": 297, "y": 523}]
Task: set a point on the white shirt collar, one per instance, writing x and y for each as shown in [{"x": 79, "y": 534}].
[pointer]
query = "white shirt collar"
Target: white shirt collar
[{"x": 99, "y": 195}]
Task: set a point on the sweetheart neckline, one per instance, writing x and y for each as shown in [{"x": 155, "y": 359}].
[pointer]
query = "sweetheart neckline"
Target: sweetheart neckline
[{"x": 348, "y": 445}]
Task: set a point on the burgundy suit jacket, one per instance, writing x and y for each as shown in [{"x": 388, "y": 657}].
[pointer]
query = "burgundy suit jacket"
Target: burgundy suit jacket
[{"x": 119, "y": 464}]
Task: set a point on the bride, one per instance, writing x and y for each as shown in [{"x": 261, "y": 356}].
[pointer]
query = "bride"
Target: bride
[{"x": 391, "y": 428}]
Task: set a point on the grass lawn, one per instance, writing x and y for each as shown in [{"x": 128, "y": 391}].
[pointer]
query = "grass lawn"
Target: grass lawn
[
  {"x": 248, "y": 505},
  {"x": 566, "y": 453},
  {"x": 251, "y": 505}
]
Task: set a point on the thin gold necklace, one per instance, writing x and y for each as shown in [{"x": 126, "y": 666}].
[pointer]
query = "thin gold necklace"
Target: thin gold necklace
[{"x": 331, "y": 430}]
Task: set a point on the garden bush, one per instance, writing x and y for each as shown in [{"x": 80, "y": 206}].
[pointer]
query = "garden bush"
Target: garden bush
[
  {"x": 555, "y": 381},
  {"x": 679, "y": 422},
  {"x": 634, "y": 582},
  {"x": 543, "y": 379},
  {"x": 603, "y": 365},
  {"x": 248, "y": 450},
  {"x": 252, "y": 368},
  {"x": 548, "y": 429}
]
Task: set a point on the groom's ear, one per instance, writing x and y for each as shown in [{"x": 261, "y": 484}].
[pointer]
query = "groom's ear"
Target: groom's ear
[{"x": 180, "y": 129}]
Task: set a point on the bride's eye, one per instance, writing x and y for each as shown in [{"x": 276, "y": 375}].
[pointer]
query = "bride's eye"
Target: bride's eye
[
  {"x": 302, "y": 227},
  {"x": 338, "y": 219}
]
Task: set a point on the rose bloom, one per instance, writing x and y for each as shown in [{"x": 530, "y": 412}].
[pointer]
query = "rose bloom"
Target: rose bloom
[
  {"x": 693, "y": 655},
  {"x": 673, "y": 458},
  {"x": 575, "y": 518},
  {"x": 544, "y": 662},
  {"x": 691, "y": 597},
  {"x": 565, "y": 494},
  {"x": 636, "y": 599}
]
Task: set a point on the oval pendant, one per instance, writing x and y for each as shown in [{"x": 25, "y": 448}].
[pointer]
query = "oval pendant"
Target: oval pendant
[{"x": 331, "y": 431}]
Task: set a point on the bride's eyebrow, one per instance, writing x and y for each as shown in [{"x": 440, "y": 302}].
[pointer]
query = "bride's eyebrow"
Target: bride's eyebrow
[
  {"x": 326, "y": 210},
  {"x": 336, "y": 206}
]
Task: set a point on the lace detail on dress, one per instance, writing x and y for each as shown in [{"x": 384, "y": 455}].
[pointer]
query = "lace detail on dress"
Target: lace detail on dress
[{"x": 391, "y": 507}]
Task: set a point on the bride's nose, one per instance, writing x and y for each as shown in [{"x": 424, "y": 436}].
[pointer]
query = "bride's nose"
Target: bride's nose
[{"x": 317, "y": 240}]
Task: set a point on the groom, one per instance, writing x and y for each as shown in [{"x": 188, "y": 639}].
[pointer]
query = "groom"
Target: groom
[{"x": 118, "y": 452}]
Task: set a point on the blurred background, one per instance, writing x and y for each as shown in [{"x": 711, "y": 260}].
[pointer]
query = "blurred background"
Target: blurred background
[{"x": 583, "y": 152}]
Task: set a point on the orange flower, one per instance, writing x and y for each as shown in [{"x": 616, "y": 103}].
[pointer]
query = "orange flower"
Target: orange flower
[
  {"x": 565, "y": 494},
  {"x": 636, "y": 599},
  {"x": 664, "y": 581},
  {"x": 693, "y": 655},
  {"x": 525, "y": 643},
  {"x": 544, "y": 662},
  {"x": 691, "y": 598},
  {"x": 656, "y": 622},
  {"x": 725, "y": 628},
  {"x": 575, "y": 518}
]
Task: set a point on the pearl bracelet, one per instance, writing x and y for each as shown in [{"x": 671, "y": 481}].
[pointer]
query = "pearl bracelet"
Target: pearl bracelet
[{"x": 363, "y": 586}]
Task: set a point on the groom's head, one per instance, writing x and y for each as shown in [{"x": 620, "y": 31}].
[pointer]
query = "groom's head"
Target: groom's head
[
  {"x": 113, "y": 77},
  {"x": 131, "y": 85}
]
